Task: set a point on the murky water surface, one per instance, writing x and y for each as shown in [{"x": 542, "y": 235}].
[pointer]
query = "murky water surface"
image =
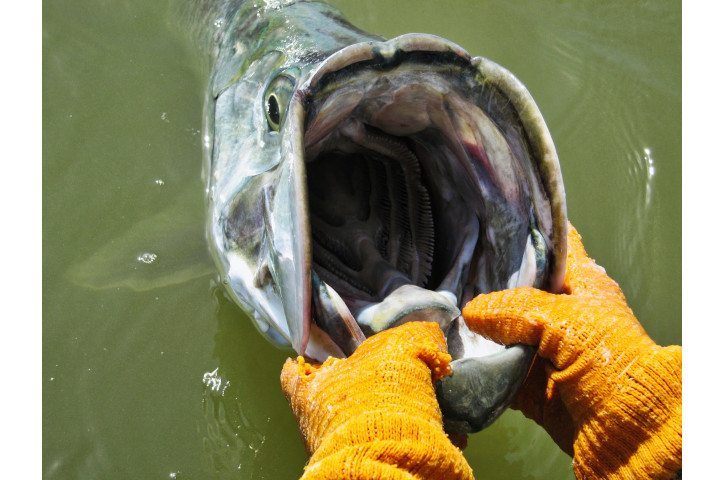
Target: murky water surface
[{"x": 157, "y": 374}]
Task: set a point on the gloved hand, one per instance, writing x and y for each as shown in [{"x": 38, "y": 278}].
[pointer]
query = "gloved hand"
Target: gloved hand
[
  {"x": 375, "y": 414},
  {"x": 604, "y": 391}
]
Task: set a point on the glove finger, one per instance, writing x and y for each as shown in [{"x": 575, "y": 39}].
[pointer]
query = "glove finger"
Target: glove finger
[
  {"x": 296, "y": 386},
  {"x": 560, "y": 325},
  {"x": 583, "y": 275},
  {"x": 512, "y": 316},
  {"x": 389, "y": 365},
  {"x": 290, "y": 378}
]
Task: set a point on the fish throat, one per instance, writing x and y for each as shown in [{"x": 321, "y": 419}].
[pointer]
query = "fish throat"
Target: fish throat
[{"x": 370, "y": 213}]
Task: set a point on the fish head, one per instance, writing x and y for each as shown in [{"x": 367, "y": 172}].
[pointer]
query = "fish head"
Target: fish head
[
  {"x": 258, "y": 223},
  {"x": 356, "y": 188}
]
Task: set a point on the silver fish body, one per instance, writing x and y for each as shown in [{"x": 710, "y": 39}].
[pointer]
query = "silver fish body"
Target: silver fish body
[{"x": 355, "y": 183}]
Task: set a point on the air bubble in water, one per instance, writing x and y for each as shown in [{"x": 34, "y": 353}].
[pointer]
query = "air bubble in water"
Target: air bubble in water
[{"x": 147, "y": 257}]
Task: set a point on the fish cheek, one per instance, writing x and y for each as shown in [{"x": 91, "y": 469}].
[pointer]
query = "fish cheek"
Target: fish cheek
[{"x": 244, "y": 229}]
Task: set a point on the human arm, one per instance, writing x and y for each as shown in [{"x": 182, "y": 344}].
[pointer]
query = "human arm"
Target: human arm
[
  {"x": 375, "y": 414},
  {"x": 604, "y": 391}
]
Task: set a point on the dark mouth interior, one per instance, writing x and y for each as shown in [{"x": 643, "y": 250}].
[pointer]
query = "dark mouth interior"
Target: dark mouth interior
[
  {"x": 407, "y": 181},
  {"x": 371, "y": 217}
]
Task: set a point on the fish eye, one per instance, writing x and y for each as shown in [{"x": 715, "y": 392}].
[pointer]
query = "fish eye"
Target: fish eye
[
  {"x": 276, "y": 100},
  {"x": 273, "y": 112}
]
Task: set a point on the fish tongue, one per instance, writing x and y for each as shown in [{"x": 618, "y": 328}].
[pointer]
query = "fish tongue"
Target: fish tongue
[{"x": 408, "y": 303}]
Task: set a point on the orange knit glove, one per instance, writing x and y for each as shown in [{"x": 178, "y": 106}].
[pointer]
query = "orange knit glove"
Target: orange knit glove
[
  {"x": 375, "y": 414},
  {"x": 603, "y": 390}
]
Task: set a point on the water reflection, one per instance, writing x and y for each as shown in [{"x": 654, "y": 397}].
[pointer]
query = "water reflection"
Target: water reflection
[{"x": 246, "y": 415}]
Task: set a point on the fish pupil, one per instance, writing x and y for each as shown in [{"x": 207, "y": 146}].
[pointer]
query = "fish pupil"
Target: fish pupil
[{"x": 273, "y": 112}]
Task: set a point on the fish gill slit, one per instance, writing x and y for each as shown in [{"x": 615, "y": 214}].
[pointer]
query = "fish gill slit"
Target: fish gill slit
[
  {"x": 411, "y": 221},
  {"x": 398, "y": 220}
]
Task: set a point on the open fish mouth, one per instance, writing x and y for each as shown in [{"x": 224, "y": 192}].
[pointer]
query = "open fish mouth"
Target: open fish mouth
[
  {"x": 395, "y": 181},
  {"x": 427, "y": 169},
  {"x": 430, "y": 177}
]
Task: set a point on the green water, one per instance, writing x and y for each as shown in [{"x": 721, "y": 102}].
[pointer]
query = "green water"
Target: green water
[{"x": 173, "y": 381}]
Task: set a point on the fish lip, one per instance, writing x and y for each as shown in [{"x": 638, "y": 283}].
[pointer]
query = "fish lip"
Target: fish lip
[
  {"x": 545, "y": 156},
  {"x": 385, "y": 52},
  {"x": 497, "y": 378}
]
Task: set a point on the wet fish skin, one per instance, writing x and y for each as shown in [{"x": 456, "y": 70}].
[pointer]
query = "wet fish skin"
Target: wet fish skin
[
  {"x": 256, "y": 230},
  {"x": 470, "y": 401}
]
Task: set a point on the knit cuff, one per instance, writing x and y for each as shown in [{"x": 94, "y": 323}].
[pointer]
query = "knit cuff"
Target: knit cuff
[
  {"x": 386, "y": 445},
  {"x": 637, "y": 431}
]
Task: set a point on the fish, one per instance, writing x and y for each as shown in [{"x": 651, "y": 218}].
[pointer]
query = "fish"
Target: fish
[{"x": 354, "y": 183}]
